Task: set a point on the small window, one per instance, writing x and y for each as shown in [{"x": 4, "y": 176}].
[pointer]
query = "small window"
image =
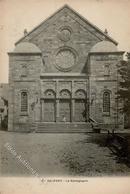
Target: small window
[
  {"x": 24, "y": 102},
  {"x": 106, "y": 102}
]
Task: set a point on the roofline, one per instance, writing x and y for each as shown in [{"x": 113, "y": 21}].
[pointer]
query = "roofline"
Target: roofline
[
  {"x": 43, "y": 22},
  {"x": 113, "y": 52},
  {"x": 83, "y": 18},
  {"x": 24, "y": 53}
]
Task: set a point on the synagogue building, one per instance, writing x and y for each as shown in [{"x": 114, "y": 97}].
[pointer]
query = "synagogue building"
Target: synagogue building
[{"x": 64, "y": 72}]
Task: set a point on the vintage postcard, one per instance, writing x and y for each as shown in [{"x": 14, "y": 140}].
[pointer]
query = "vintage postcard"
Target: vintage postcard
[{"x": 64, "y": 96}]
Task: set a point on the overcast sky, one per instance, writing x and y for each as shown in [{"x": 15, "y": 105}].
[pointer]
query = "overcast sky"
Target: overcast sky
[{"x": 16, "y": 15}]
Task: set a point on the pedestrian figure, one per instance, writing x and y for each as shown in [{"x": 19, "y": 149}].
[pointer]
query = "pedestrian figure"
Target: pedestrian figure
[{"x": 64, "y": 118}]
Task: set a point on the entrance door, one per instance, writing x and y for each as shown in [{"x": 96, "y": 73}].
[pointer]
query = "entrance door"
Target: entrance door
[
  {"x": 65, "y": 110},
  {"x": 80, "y": 110},
  {"x": 49, "y": 110}
]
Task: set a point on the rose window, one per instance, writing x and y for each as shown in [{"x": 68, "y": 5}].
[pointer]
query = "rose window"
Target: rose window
[{"x": 65, "y": 59}]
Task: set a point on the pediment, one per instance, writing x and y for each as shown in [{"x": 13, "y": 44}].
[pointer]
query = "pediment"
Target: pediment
[{"x": 66, "y": 15}]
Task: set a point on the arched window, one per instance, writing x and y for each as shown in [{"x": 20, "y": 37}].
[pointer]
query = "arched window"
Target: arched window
[
  {"x": 65, "y": 93},
  {"x": 49, "y": 93},
  {"x": 81, "y": 94},
  {"x": 24, "y": 102},
  {"x": 106, "y": 102}
]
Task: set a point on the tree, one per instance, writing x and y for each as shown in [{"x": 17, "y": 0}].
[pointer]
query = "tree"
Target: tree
[
  {"x": 4, "y": 122},
  {"x": 124, "y": 87},
  {"x": 5, "y": 101}
]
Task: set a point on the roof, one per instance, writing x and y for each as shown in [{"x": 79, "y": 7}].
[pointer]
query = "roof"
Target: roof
[
  {"x": 81, "y": 17},
  {"x": 104, "y": 46},
  {"x": 26, "y": 47}
]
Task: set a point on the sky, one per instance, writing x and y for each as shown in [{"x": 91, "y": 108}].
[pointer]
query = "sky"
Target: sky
[{"x": 16, "y": 15}]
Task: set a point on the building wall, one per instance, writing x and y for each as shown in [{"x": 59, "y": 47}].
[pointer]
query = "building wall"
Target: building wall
[
  {"x": 18, "y": 82},
  {"x": 65, "y": 63},
  {"x": 101, "y": 80},
  {"x": 71, "y": 89},
  {"x": 66, "y": 31}
]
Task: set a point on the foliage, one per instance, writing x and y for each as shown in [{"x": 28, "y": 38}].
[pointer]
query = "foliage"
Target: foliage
[
  {"x": 124, "y": 85},
  {"x": 5, "y": 101},
  {"x": 4, "y": 123}
]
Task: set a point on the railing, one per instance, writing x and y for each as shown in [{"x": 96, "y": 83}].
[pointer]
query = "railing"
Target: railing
[
  {"x": 95, "y": 125},
  {"x": 117, "y": 144},
  {"x": 92, "y": 120}
]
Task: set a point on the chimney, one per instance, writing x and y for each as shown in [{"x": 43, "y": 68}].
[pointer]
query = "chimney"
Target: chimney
[
  {"x": 105, "y": 31},
  {"x": 25, "y": 32}
]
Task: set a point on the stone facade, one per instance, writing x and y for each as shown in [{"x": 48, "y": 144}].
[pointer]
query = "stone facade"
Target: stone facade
[
  {"x": 59, "y": 71},
  {"x": 102, "y": 80}
]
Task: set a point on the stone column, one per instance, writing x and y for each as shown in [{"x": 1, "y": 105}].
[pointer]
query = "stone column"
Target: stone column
[
  {"x": 42, "y": 110},
  {"x": 72, "y": 101},
  {"x": 57, "y": 110},
  {"x": 37, "y": 112},
  {"x": 72, "y": 110},
  {"x": 57, "y": 101}
]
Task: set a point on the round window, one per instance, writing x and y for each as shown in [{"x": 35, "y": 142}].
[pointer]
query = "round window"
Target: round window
[{"x": 65, "y": 59}]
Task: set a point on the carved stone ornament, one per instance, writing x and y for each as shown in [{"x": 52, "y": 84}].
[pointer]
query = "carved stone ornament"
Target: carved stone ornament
[{"x": 65, "y": 34}]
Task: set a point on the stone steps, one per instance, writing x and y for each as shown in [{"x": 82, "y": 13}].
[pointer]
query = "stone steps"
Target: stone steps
[{"x": 61, "y": 127}]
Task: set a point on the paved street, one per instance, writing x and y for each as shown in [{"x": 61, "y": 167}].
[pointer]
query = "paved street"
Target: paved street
[{"x": 58, "y": 154}]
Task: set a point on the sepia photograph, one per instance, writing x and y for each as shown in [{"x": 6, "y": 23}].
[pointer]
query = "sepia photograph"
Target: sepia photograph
[{"x": 64, "y": 90}]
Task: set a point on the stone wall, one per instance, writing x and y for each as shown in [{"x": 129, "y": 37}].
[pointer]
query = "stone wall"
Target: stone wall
[
  {"x": 101, "y": 81},
  {"x": 58, "y": 84},
  {"x": 65, "y": 31},
  {"x": 19, "y": 82},
  {"x": 65, "y": 63}
]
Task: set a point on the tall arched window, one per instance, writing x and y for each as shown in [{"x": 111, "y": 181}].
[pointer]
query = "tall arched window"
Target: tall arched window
[
  {"x": 106, "y": 102},
  {"x": 24, "y": 102}
]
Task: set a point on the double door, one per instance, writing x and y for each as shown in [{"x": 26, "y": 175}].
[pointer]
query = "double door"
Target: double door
[
  {"x": 49, "y": 110},
  {"x": 64, "y": 110},
  {"x": 80, "y": 110}
]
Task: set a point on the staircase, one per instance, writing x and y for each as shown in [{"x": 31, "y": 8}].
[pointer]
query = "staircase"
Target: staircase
[{"x": 61, "y": 127}]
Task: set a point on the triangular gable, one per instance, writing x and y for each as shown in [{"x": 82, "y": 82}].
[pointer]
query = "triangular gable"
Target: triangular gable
[{"x": 78, "y": 15}]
